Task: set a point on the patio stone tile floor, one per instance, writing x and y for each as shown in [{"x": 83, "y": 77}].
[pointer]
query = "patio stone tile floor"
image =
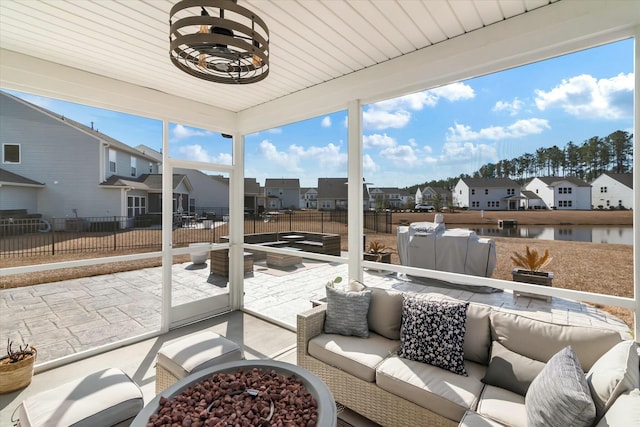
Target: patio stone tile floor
[{"x": 63, "y": 318}]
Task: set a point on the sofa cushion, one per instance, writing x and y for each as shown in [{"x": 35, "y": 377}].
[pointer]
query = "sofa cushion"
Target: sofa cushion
[
  {"x": 473, "y": 419},
  {"x": 356, "y": 356},
  {"x": 503, "y": 406},
  {"x": 347, "y": 312},
  {"x": 385, "y": 312},
  {"x": 616, "y": 372},
  {"x": 624, "y": 412},
  {"x": 435, "y": 389},
  {"x": 433, "y": 332},
  {"x": 510, "y": 370},
  {"x": 560, "y": 395},
  {"x": 540, "y": 340},
  {"x": 477, "y": 337}
]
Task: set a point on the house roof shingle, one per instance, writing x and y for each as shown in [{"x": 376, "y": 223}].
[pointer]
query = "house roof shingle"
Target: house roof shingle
[
  {"x": 293, "y": 183},
  {"x": 490, "y": 182},
  {"x": 553, "y": 180},
  {"x": 7, "y": 177}
]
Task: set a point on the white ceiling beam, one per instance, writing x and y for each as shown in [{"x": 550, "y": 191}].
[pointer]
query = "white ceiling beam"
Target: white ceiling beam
[{"x": 31, "y": 75}]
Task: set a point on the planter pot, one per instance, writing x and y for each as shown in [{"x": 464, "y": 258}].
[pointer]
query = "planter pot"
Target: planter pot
[
  {"x": 199, "y": 252},
  {"x": 541, "y": 278},
  {"x": 14, "y": 376},
  {"x": 382, "y": 257}
]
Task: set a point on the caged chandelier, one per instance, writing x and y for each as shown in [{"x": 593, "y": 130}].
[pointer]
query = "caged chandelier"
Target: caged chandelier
[{"x": 219, "y": 41}]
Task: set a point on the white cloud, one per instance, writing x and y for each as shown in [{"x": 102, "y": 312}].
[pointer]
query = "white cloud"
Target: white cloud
[
  {"x": 369, "y": 166},
  {"x": 181, "y": 132},
  {"x": 396, "y": 112},
  {"x": 512, "y": 108},
  {"x": 379, "y": 119},
  {"x": 402, "y": 155},
  {"x": 518, "y": 129},
  {"x": 196, "y": 152},
  {"x": 584, "y": 96},
  {"x": 287, "y": 161},
  {"x": 453, "y": 92},
  {"x": 326, "y": 122},
  {"x": 377, "y": 140}
]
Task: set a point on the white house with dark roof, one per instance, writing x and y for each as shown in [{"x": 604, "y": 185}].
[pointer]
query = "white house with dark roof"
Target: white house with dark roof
[
  {"x": 612, "y": 190},
  {"x": 486, "y": 194},
  {"x": 561, "y": 192},
  {"x": 282, "y": 193},
  {"x": 308, "y": 198}
]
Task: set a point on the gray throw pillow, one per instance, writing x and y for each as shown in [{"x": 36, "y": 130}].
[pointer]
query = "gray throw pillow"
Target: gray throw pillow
[
  {"x": 347, "y": 312},
  {"x": 510, "y": 370},
  {"x": 559, "y": 396},
  {"x": 433, "y": 332}
]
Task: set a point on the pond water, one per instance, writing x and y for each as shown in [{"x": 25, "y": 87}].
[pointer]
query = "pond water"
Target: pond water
[{"x": 577, "y": 233}]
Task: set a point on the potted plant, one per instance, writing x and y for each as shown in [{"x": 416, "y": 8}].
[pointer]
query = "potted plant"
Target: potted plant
[
  {"x": 530, "y": 271},
  {"x": 378, "y": 252},
  {"x": 16, "y": 368}
]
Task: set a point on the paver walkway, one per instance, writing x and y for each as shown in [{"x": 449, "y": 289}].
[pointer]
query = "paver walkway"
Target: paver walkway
[{"x": 67, "y": 317}]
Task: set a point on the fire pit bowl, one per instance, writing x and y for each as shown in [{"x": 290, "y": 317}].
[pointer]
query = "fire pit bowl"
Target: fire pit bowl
[{"x": 327, "y": 414}]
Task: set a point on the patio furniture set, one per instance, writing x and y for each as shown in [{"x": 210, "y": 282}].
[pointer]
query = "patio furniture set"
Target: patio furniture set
[{"x": 401, "y": 359}]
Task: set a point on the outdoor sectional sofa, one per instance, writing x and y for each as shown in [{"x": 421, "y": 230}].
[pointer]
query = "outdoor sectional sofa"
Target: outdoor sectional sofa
[
  {"x": 322, "y": 243},
  {"x": 367, "y": 375}
]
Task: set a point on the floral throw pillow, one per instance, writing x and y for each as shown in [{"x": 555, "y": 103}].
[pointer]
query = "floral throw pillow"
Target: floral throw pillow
[{"x": 433, "y": 332}]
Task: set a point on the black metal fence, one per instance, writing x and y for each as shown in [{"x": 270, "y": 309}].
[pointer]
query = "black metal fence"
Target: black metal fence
[{"x": 39, "y": 236}]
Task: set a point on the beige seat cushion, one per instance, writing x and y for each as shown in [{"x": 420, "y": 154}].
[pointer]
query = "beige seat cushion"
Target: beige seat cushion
[
  {"x": 356, "y": 356},
  {"x": 540, "y": 340},
  {"x": 624, "y": 412},
  {"x": 433, "y": 388},
  {"x": 385, "y": 312},
  {"x": 503, "y": 406},
  {"x": 616, "y": 372},
  {"x": 104, "y": 398},
  {"x": 197, "y": 352},
  {"x": 477, "y": 338},
  {"x": 473, "y": 419}
]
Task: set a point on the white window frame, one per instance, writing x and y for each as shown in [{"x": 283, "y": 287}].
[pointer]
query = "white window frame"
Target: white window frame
[
  {"x": 112, "y": 161},
  {"x": 134, "y": 171}
]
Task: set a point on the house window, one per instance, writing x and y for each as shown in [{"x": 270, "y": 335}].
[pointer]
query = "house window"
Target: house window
[
  {"x": 136, "y": 205},
  {"x": 133, "y": 166},
  {"x": 511, "y": 191},
  {"x": 569, "y": 190},
  {"x": 486, "y": 191},
  {"x": 473, "y": 192},
  {"x": 10, "y": 153},
  {"x": 603, "y": 189},
  {"x": 150, "y": 167},
  {"x": 112, "y": 161}
]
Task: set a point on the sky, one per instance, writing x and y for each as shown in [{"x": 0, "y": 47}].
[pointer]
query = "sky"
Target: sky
[{"x": 430, "y": 135}]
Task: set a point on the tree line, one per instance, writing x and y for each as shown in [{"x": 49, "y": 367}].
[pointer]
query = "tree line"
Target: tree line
[{"x": 612, "y": 153}]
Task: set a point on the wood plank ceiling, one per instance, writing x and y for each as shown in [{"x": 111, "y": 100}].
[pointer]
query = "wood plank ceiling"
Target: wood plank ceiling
[{"x": 311, "y": 42}]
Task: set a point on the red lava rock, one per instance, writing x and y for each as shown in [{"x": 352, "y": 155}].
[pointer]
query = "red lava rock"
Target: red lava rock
[{"x": 222, "y": 400}]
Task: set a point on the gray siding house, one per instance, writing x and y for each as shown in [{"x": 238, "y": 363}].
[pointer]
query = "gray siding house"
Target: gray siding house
[
  {"x": 333, "y": 192},
  {"x": 487, "y": 194},
  {"x": 64, "y": 163},
  {"x": 282, "y": 193}
]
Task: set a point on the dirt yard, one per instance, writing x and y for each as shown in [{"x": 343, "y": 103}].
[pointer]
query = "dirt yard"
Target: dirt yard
[{"x": 592, "y": 267}]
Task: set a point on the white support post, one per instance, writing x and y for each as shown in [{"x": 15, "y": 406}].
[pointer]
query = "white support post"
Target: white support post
[
  {"x": 355, "y": 193},
  {"x": 167, "y": 229},
  {"x": 636, "y": 193},
  {"x": 236, "y": 225}
]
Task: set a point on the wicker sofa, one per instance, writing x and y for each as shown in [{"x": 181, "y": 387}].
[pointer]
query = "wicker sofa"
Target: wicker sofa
[{"x": 367, "y": 376}]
